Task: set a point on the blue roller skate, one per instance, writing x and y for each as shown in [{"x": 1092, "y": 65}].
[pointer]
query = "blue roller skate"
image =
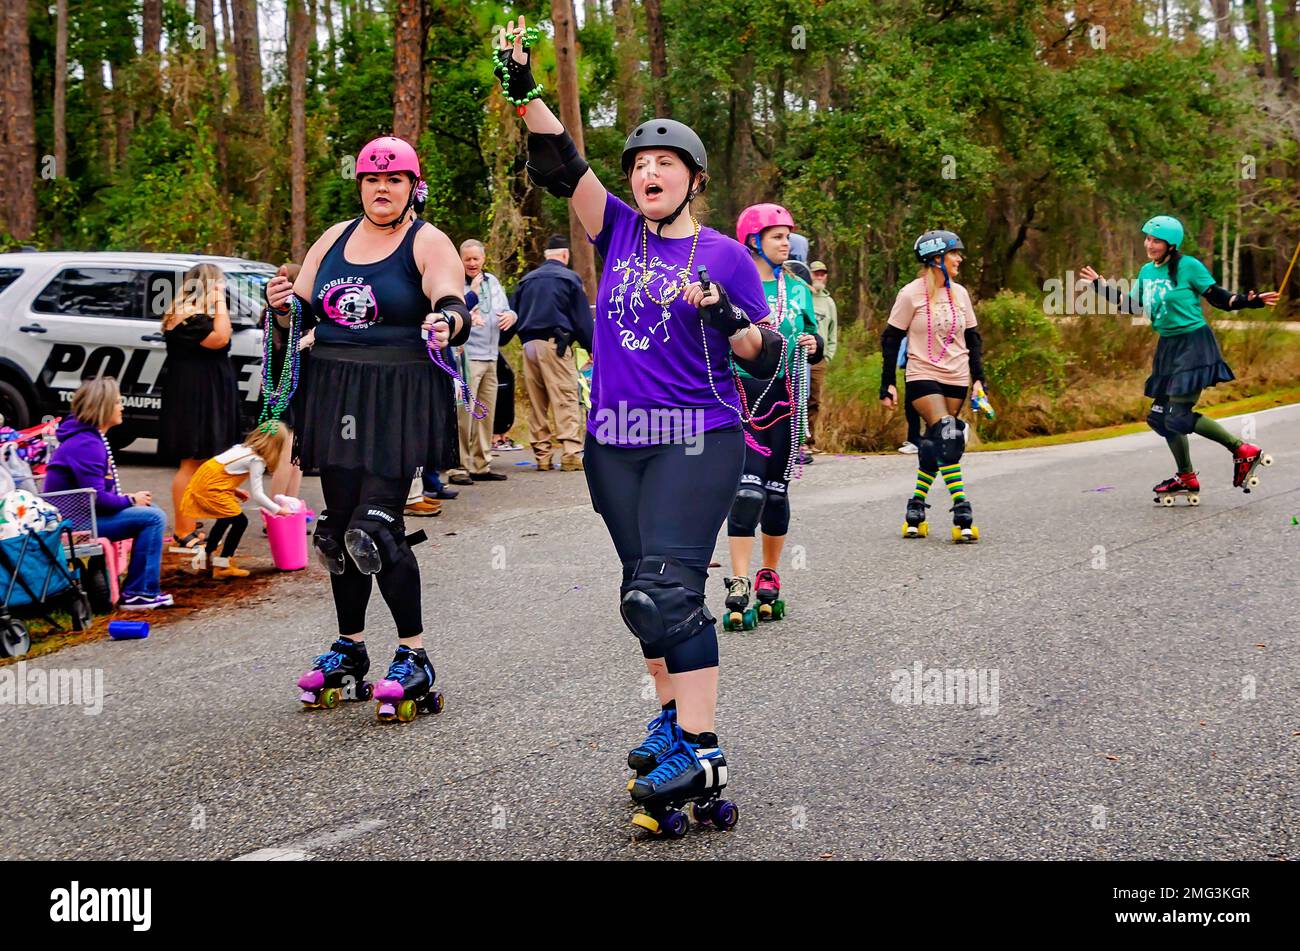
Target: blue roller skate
[
  {"x": 338, "y": 674},
  {"x": 407, "y": 688},
  {"x": 694, "y": 773},
  {"x": 662, "y": 733}
]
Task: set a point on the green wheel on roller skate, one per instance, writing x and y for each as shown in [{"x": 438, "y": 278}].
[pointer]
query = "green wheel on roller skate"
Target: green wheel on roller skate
[
  {"x": 406, "y": 711},
  {"x": 778, "y": 609},
  {"x": 329, "y": 698},
  {"x": 751, "y": 619}
]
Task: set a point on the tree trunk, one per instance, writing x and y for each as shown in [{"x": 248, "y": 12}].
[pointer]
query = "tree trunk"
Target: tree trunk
[
  {"x": 248, "y": 53},
  {"x": 299, "y": 27},
  {"x": 97, "y": 97},
  {"x": 740, "y": 144},
  {"x": 227, "y": 48},
  {"x": 408, "y": 70},
  {"x": 1287, "y": 36},
  {"x": 152, "y": 26},
  {"x": 150, "y": 57},
  {"x": 627, "y": 58},
  {"x": 654, "y": 29},
  {"x": 61, "y": 89},
  {"x": 1223, "y": 22},
  {"x": 581, "y": 253},
  {"x": 19, "y": 123},
  {"x": 329, "y": 33},
  {"x": 1256, "y": 14},
  {"x": 204, "y": 19},
  {"x": 123, "y": 123}
]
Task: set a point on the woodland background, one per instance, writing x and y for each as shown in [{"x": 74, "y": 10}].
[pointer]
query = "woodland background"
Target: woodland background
[{"x": 1044, "y": 132}]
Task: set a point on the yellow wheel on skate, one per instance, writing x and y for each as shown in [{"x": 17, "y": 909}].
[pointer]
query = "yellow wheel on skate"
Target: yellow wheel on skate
[
  {"x": 1193, "y": 500},
  {"x": 1253, "y": 481},
  {"x": 1166, "y": 500},
  {"x": 329, "y": 698},
  {"x": 646, "y": 822},
  {"x": 406, "y": 711},
  {"x": 924, "y": 529},
  {"x": 765, "y": 612},
  {"x": 630, "y": 783},
  {"x": 1266, "y": 460},
  {"x": 975, "y": 532}
]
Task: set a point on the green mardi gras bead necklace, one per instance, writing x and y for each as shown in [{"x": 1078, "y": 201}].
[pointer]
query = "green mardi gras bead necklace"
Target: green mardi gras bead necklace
[{"x": 501, "y": 64}]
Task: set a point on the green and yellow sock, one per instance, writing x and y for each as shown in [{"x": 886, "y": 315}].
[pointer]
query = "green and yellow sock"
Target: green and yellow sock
[
  {"x": 923, "y": 482},
  {"x": 952, "y": 479}
]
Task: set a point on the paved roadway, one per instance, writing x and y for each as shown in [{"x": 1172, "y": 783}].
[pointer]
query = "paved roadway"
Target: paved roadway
[{"x": 1147, "y": 665}]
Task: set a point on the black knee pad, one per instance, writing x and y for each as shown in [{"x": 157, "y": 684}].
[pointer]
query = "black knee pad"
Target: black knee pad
[
  {"x": 1180, "y": 419},
  {"x": 376, "y": 538},
  {"x": 776, "y": 511},
  {"x": 1157, "y": 418},
  {"x": 949, "y": 438},
  {"x": 927, "y": 455},
  {"x": 663, "y": 603},
  {"x": 327, "y": 538},
  {"x": 746, "y": 509}
]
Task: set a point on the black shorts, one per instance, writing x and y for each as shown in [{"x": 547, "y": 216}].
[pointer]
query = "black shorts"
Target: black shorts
[{"x": 915, "y": 389}]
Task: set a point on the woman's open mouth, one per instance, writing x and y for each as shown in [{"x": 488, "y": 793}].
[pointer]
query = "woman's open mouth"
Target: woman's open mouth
[{"x": 653, "y": 191}]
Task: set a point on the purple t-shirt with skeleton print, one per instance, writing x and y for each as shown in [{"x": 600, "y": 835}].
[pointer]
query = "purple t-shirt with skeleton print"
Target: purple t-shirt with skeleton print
[{"x": 649, "y": 359}]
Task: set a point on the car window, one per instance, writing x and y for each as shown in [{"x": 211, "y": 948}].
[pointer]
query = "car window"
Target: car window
[
  {"x": 93, "y": 292},
  {"x": 245, "y": 295},
  {"x": 160, "y": 289},
  {"x": 8, "y": 275}
]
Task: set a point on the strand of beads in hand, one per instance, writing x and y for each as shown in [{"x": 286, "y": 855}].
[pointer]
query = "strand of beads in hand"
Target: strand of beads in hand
[
  {"x": 516, "y": 78},
  {"x": 276, "y": 398}
]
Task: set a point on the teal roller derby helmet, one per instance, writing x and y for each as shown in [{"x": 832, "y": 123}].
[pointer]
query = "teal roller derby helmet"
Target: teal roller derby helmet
[{"x": 1165, "y": 227}]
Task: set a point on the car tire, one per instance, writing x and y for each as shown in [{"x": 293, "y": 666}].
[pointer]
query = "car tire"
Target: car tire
[{"x": 13, "y": 406}]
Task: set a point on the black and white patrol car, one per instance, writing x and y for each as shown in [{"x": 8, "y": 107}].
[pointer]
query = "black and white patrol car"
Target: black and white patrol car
[{"x": 67, "y": 315}]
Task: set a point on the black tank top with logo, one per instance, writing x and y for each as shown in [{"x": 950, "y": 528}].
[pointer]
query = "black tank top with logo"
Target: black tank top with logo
[{"x": 370, "y": 305}]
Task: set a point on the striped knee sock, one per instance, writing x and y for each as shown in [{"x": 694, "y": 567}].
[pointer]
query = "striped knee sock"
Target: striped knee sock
[
  {"x": 923, "y": 482},
  {"x": 952, "y": 479}
]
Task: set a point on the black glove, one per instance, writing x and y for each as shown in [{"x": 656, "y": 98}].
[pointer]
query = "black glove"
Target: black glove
[
  {"x": 721, "y": 316},
  {"x": 516, "y": 78}
]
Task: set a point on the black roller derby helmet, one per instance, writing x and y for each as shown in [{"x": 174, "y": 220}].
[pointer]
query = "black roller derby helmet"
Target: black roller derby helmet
[
  {"x": 935, "y": 244},
  {"x": 666, "y": 134}
]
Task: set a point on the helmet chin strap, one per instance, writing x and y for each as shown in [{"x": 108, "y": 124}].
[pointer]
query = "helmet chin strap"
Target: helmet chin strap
[
  {"x": 758, "y": 249},
  {"x": 400, "y": 219},
  {"x": 676, "y": 212},
  {"x": 942, "y": 265}
]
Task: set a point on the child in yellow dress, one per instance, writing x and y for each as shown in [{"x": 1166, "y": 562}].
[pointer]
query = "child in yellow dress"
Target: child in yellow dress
[{"x": 215, "y": 492}]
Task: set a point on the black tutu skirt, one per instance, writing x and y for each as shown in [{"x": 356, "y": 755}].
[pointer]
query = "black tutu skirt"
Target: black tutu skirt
[
  {"x": 385, "y": 410},
  {"x": 200, "y": 407},
  {"x": 1186, "y": 363}
]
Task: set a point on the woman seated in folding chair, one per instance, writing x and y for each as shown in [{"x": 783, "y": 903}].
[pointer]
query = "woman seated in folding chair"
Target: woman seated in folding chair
[{"x": 84, "y": 460}]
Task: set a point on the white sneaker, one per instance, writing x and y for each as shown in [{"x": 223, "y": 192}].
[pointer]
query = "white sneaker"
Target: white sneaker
[{"x": 908, "y": 449}]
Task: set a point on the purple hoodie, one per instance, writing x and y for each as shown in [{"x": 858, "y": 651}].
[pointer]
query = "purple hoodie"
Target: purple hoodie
[{"x": 81, "y": 462}]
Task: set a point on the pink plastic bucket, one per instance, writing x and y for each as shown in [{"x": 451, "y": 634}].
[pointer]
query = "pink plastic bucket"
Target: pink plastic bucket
[{"x": 287, "y": 535}]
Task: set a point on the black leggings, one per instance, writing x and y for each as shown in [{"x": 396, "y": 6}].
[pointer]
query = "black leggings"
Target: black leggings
[
  {"x": 663, "y": 500},
  {"x": 345, "y": 491},
  {"x": 766, "y": 473},
  {"x": 233, "y": 528}
]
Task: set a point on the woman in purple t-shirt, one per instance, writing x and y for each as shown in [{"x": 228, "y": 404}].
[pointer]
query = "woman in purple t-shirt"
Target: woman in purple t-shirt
[{"x": 664, "y": 444}]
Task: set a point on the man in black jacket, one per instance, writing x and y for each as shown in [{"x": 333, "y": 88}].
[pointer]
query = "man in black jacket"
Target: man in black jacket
[{"x": 553, "y": 314}]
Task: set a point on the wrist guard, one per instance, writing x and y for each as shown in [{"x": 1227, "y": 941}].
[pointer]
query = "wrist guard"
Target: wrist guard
[
  {"x": 722, "y": 316},
  {"x": 446, "y": 306}
]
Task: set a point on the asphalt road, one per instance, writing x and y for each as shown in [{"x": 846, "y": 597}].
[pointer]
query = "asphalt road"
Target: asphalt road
[{"x": 1146, "y": 663}]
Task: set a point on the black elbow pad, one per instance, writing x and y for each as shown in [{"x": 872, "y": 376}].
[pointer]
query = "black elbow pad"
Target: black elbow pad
[
  {"x": 554, "y": 163},
  {"x": 768, "y": 361}
]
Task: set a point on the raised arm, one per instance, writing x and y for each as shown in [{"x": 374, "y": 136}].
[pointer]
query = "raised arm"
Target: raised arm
[{"x": 553, "y": 159}]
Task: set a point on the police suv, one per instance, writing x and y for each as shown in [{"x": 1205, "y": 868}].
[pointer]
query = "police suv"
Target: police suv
[{"x": 66, "y": 316}]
